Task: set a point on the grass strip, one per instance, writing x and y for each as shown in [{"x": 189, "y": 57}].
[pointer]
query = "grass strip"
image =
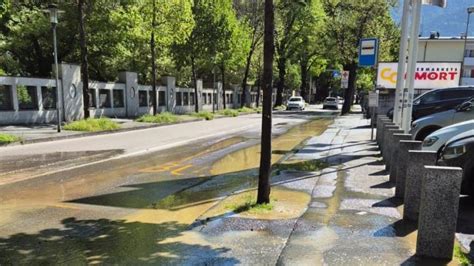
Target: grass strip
[{"x": 92, "y": 125}]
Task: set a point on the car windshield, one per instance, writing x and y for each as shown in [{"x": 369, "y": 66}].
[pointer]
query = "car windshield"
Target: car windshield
[
  {"x": 296, "y": 99},
  {"x": 330, "y": 99}
]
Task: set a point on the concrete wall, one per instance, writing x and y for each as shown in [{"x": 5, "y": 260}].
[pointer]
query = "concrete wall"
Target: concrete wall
[{"x": 123, "y": 99}]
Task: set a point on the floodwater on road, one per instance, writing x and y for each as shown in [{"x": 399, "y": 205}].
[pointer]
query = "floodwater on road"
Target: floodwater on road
[{"x": 142, "y": 210}]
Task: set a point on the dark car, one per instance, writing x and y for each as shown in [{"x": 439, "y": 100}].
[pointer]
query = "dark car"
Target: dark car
[
  {"x": 459, "y": 152},
  {"x": 438, "y": 100}
]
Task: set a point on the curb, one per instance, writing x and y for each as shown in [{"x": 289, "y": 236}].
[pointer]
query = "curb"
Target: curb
[{"x": 106, "y": 132}]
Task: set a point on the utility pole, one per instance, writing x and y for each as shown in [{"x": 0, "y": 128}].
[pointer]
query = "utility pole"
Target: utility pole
[
  {"x": 84, "y": 60},
  {"x": 266, "y": 142},
  {"x": 153, "y": 60}
]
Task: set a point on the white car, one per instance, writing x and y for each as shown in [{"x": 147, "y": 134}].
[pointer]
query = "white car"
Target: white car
[
  {"x": 331, "y": 102},
  {"x": 436, "y": 140},
  {"x": 296, "y": 102},
  {"x": 424, "y": 126}
]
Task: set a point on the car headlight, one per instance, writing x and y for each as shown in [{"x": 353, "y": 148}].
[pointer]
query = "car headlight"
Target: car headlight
[
  {"x": 454, "y": 151},
  {"x": 430, "y": 141}
]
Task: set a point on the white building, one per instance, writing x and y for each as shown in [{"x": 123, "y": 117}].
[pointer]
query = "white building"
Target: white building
[{"x": 449, "y": 49}]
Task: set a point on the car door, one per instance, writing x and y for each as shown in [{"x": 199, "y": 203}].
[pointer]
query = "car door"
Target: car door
[
  {"x": 464, "y": 115},
  {"x": 427, "y": 104},
  {"x": 451, "y": 98}
]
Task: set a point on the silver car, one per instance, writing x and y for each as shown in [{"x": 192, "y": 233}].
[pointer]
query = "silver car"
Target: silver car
[{"x": 424, "y": 126}]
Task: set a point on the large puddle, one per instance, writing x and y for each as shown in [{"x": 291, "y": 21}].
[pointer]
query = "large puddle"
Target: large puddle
[{"x": 249, "y": 158}]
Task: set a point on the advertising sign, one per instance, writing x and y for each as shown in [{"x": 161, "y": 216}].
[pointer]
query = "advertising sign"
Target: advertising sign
[
  {"x": 432, "y": 75},
  {"x": 373, "y": 99},
  {"x": 368, "y": 52}
]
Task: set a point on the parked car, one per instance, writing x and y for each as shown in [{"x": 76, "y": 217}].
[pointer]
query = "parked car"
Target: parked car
[
  {"x": 436, "y": 140},
  {"x": 438, "y": 100},
  {"x": 331, "y": 103},
  {"x": 459, "y": 152},
  {"x": 296, "y": 102},
  {"x": 424, "y": 126}
]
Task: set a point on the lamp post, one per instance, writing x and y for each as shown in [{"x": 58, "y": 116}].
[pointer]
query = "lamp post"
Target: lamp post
[
  {"x": 53, "y": 14},
  {"x": 470, "y": 10}
]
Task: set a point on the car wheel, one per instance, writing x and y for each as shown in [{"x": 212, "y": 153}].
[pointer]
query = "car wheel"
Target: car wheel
[{"x": 425, "y": 132}]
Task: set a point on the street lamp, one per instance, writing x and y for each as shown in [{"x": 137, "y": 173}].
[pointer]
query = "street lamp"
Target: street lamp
[
  {"x": 469, "y": 11},
  {"x": 53, "y": 14}
]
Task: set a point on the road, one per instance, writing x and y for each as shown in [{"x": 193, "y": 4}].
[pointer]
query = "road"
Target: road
[{"x": 126, "y": 197}]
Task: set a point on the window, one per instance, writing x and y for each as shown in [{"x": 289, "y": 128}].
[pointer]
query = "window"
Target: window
[
  {"x": 179, "y": 102},
  {"x": 431, "y": 97},
  {"x": 209, "y": 97},
  {"x": 104, "y": 98},
  {"x": 191, "y": 98},
  {"x": 204, "y": 98},
  {"x": 118, "y": 99},
  {"x": 49, "y": 97},
  {"x": 27, "y": 98},
  {"x": 239, "y": 97},
  {"x": 161, "y": 98},
  {"x": 6, "y": 102},
  {"x": 92, "y": 99},
  {"x": 185, "y": 98},
  {"x": 142, "y": 98},
  {"x": 215, "y": 97}
]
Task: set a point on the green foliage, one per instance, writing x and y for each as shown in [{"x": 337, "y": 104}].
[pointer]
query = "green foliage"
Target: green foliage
[
  {"x": 204, "y": 115},
  {"x": 92, "y": 125},
  {"x": 22, "y": 94},
  {"x": 229, "y": 112},
  {"x": 305, "y": 166},
  {"x": 250, "y": 206},
  {"x": 7, "y": 138},
  {"x": 462, "y": 257},
  {"x": 163, "y": 118}
]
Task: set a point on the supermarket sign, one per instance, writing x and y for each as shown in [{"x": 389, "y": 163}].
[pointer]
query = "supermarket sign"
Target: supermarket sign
[{"x": 431, "y": 75}]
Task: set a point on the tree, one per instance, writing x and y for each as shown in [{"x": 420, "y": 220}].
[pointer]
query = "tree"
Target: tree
[
  {"x": 266, "y": 142},
  {"x": 294, "y": 17},
  {"x": 350, "y": 21},
  {"x": 251, "y": 13},
  {"x": 84, "y": 61}
]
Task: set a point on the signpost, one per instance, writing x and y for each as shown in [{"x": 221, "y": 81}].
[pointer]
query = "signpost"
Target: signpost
[
  {"x": 373, "y": 104},
  {"x": 368, "y": 52},
  {"x": 345, "y": 79}
]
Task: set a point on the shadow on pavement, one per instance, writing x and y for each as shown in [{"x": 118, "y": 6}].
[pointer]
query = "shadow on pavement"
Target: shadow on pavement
[
  {"x": 106, "y": 241},
  {"x": 399, "y": 228}
]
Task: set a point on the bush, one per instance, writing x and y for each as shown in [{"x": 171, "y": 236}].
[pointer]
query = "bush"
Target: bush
[
  {"x": 163, "y": 118},
  {"x": 245, "y": 110},
  {"x": 92, "y": 125},
  {"x": 280, "y": 108},
  {"x": 7, "y": 138},
  {"x": 229, "y": 112},
  {"x": 204, "y": 115}
]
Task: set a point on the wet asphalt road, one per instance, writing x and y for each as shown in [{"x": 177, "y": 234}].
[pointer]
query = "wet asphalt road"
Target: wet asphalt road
[{"x": 134, "y": 209}]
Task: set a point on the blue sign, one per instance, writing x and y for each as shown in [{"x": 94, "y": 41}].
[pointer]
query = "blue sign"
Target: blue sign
[
  {"x": 336, "y": 74},
  {"x": 368, "y": 52}
]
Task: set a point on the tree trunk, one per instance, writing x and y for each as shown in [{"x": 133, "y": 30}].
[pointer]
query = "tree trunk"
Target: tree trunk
[
  {"x": 266, "y": 142},
  {"x": 223, "y": 85},
  {"x": 196, "y": 98},
  {"x": 304, "y": 80},
  {"x": 243, "y": 98},
  {"x": 84, "y": 61},
  {"x": 349, "y": 92},
  {"x": 153, "y": 62},
  {"x": 281, "y": 81}
]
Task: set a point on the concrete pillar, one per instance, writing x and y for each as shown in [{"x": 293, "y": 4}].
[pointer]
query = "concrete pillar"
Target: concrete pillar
[
  {"x": 219, "y": 102},
  {"x": 380, "y": 120},
  {"x": 170, "y": 83},
  {"x": 131, "y": 92},
  {"x": 402, "y": 165},
  {"x": 394, "y": 158},
  {"x": 199, "y": 93},
  {"x": 389, "y": 144},
  {"x": 438, "y": 212},
  {"x": 383, "y": 145},
  {"x": 415, "y": 172},
  {"x": 72, "y": 95}
]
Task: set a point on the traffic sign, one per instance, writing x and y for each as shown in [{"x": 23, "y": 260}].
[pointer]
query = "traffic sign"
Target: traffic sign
[
  {"x": 345, "y": 79},
  {"x": 373, "y": 99},
  {"x": 368, "y": 52}
]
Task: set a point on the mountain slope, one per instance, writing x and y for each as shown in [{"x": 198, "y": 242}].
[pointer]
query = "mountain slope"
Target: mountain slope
[{"x": 448, "y": 22}]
